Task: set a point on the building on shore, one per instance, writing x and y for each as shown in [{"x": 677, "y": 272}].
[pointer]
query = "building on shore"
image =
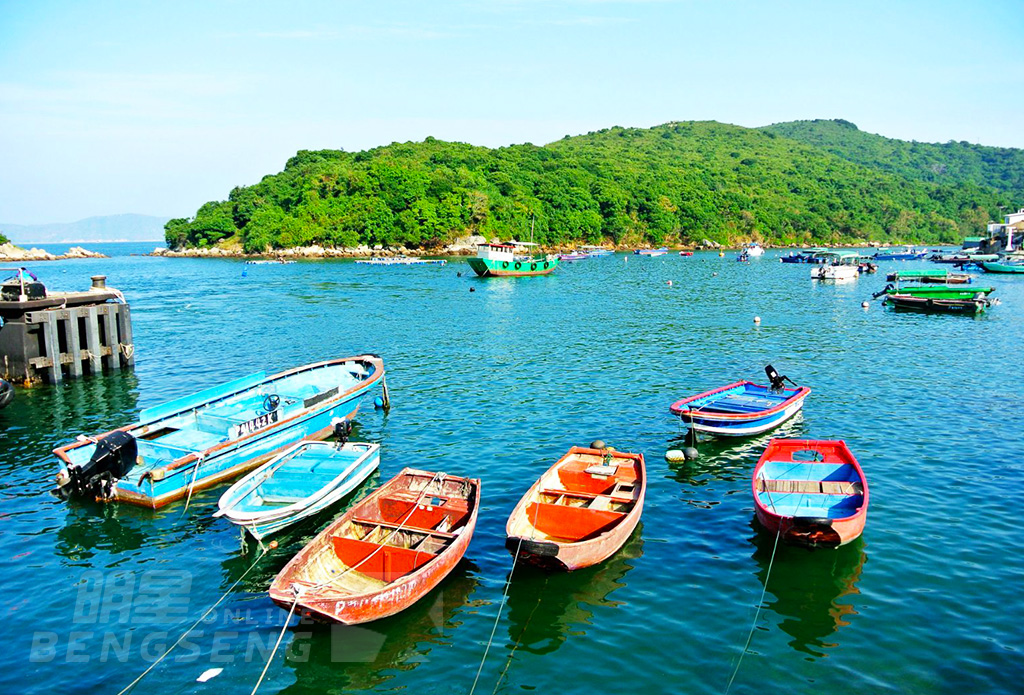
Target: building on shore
[{"x": 1004, "y": 236}]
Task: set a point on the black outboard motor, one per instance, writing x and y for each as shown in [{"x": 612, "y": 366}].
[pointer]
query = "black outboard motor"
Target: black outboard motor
[
  {"x": 778, "y": 381},
  {"x": 342, "y": 431},
  {"x": 114, "y": 456},
  {"x": 6, "y": 394}
]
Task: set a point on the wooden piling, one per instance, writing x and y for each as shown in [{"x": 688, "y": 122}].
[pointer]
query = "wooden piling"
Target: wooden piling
[{"x": 92, "y": 340}]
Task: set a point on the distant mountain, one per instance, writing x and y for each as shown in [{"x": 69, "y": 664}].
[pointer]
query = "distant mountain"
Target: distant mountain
[
  {"x": 951, "y": 163},
  {"x": 95, "y": 229}
]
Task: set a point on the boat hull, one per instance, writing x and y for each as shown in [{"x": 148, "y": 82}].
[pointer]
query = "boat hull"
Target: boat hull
[
  {"x": 540, "y": 544},
  {"x": 734, "y": 410},
  {"x": 934, "y": 305},
  {"x": 490, "y": 268},
  {"x": 1002, "y": 268},
  {"x": 166, "y": 474},
  {"x": 815, "y": 503},
  {"x": 313, "y": 601}
]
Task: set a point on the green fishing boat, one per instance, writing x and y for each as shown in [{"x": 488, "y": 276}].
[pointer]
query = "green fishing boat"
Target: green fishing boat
[
  {"x": 510, "y": 259},
  {"x": 940, "y": 292},
  {"x": 1009, "y": 268}
]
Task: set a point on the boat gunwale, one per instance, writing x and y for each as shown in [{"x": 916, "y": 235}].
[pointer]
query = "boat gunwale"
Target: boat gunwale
[
  {"x": 322, "y": 539},
  {"x": 277, "y": 513},
  {"x": 376, "y": 360},
  {"x": 810, "y": 444},
  {"x": 628, "y": 521},
  {"x": 799, "y": 393}
]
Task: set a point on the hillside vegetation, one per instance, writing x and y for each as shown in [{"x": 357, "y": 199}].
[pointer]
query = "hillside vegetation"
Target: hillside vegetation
[
  {"x": 679, "y": 182},
  {"x": 1000, "y": 168}
]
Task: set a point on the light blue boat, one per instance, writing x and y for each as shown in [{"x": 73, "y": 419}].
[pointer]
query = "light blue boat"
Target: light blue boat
[
  {"x": 303, "y": 481},
  {"x": 212, "y": 436}
]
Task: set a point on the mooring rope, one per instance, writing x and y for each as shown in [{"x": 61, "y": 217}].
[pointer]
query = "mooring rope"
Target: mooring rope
[
  {"x": 194, "y": 625},
  {"x": 518, "y": 641},
  {"x": 284, "y": 628},
  {"x": 188, "y": 497},
  {"x": 497, "y": 618},
  {"x": 760, "y": 601}
]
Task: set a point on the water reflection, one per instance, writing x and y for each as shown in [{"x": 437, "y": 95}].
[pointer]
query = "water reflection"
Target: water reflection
[
  {"x": 544, "y": 609},
  {"x": 807, "y": 586},
  {"x": 340, "y": 658}
]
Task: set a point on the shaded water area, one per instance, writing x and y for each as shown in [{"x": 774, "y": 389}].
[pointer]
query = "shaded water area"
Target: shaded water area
[{"x": 497, "y": 384}]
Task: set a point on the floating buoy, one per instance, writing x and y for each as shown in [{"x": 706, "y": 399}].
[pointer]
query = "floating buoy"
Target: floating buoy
[
  {"x": 472, "y": 289},
  {"x": 865, "y": 304},
  {"x": 714, "y": 275},
  {"x": 669, "y": 283},
  {"x": 459, "y": 274},
  {"x": 378, "y": 402},
  {"x": 690, "y": 453},
  {"x": 757, "y": 319},
  {"x": 597, "y": 444},
  {"x": 721, "y": 254},
  {"x": 675, "y": 455},
  {"x": 273, "y": 545}
]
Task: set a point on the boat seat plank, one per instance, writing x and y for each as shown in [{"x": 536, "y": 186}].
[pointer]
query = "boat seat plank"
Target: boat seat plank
[
  {"x": 579, "y": 494},
  {"x": 840, "y": 487},
  {"x": 405, "y": 527},
  {"x": 570, "y": 523},
  {"x": 386, "y": 563}
]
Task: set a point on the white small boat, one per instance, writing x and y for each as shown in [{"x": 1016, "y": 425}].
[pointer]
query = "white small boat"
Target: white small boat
[
  {"x": 304, "y": 480},
  {"x": 754, "y": 249},
  {"x": 838, "y": 266}
]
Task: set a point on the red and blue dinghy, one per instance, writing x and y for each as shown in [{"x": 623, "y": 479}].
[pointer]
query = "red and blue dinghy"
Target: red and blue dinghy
[
  {"x": 744, "y": 408},
  {"x": 199, "y": 441},
  {"x": 811, "y": 492}
]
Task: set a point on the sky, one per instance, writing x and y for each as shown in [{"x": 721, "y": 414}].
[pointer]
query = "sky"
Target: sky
[{"x": 157, "y": 107}]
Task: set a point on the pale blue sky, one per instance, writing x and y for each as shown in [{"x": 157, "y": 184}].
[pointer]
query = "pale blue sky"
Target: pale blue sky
[{"x": 157, "y": 107}]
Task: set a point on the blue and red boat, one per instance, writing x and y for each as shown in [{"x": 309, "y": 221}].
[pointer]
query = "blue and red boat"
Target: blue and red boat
[
  {"x": 742, "y": 409},
  {"x": 209, "y": 437},
  {"x": 811, "y": 492}
]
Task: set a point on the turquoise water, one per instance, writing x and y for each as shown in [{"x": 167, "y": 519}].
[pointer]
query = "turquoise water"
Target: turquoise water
[{"x": 497, "y": 383}]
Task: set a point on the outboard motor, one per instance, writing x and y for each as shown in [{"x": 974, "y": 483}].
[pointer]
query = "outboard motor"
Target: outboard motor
[
  {"x": 778, "y": 381},
  {"x": 6, "y": 393},
  {"x": 114, "y": 456},
  {"x": 342, "y": 431}
]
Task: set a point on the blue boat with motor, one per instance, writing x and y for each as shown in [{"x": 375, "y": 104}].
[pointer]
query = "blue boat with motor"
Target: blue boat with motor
[
  {"x": 303, "y": 481},
  {"x": 204, "y": 439},
  {"x": 743, "y": 408},
  {"x": 907, "y": 254}
]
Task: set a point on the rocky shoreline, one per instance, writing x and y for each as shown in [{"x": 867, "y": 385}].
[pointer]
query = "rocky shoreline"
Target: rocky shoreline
[
  {"x": 10, "y": 252},
  {"x": 465, "y": 246}
]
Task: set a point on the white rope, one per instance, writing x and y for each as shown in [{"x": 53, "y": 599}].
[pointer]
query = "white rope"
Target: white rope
[
  {"x": 284, "y": 629},
  {"x": 494, "y": 628},
  {"x": 194, "y": 625},
  {"x": 188, "y": 497},
  {"x": 760, "y": 601}
]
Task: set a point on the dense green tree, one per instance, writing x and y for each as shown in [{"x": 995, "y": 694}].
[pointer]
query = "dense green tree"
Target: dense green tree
[{"x": 676, "y": 182}]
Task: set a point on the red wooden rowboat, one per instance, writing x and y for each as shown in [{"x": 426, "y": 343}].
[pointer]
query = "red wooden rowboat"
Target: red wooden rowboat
[
  {"x": 581, "y": 511},
  {"x": 385, "y": 553},
  {"x": 812, "y": 492}
]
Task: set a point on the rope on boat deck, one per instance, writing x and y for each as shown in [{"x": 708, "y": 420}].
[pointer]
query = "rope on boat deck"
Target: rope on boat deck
[
  {"x": 760, "y": 602},
  {"x": 195, "y": 624}
]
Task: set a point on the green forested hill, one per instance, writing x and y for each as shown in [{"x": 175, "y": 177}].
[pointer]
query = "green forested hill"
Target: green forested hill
[
  {"x": 1001, "y": 168},
  {"x": 675, "y": 182}
]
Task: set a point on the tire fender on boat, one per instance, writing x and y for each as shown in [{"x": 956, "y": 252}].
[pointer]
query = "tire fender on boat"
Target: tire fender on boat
[{"x": 533, "y": 266}]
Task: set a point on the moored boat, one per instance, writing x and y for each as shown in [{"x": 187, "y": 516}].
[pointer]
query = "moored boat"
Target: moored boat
[
  {"x": 306, "y": 479},
  {"x": 509, "y": 260},
  {"x": 837, "y": 266},
  {"x": 1004, "y": 266},
  {"x": 596, "y": 251},
  {"x": 573, "y": 256},
  {"x": 385, "y": 553},
  {"x": 810, "y": 492},
  {"x": 400, "y": 260},
  {"x": 209, "y": 437},
  {"x": 743, "y": 408},
  {"x": 972, "y": 305},
  {"x": 938, "y": 291},
  {"x": 581, "y": 511},
  {"x": 908, "y": 253},
  {"x": 811, "y": 255},
  {"x": 686, "y": 253},
  {"x": 651, "y": 252},
  {"x": 936, "y": 276},
  {"x": 753, "y": 249}
]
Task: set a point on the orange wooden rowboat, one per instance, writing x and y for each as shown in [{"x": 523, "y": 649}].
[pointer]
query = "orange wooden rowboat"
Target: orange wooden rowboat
[
  {"x": 385, "y": 553},
  {"x": 581, "y": 511}
]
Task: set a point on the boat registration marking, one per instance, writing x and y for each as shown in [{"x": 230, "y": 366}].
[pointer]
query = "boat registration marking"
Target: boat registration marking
[{"x": 257, "y": 423}]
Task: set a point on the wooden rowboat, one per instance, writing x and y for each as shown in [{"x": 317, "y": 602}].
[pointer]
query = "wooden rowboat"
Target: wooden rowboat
[
  {"x": 301, "y": 482},
  {"x": 385, "y": 553},
  {"x": 742, "y": 409},
  {"x": 811, "y": 492},
  {"x": 933, "y": 305},
  {"x": 581, "y": 511}
]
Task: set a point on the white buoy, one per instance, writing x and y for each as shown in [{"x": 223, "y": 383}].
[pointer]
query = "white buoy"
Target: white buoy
[
  {"x": 714, "y": 275},
  {"x": 675, "y": 456},
  {"x": 669, "y": 283},
  {"x": 865, "y": 304},
  {"x": 757, "y": 319}
]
